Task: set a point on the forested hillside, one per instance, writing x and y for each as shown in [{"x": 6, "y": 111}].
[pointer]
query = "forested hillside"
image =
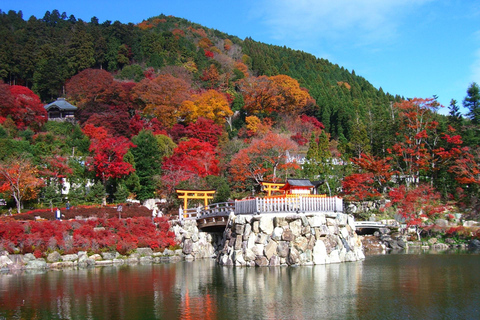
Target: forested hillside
[
  {"x": 168, "y": 103},
  {"x": 43, "y": 54}
]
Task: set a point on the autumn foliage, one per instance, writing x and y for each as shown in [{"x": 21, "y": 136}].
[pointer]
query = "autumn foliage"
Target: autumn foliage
[
  {"x": 19, "y": 178},
  {"x": 264, "y": 159},
  {"x": 94, "y": 86},
  {"x": 23, "y": 106},
  {"x": 264, "y": 95},
  {"x": 416, "y": 205},
  {"x": 162, "y": 97},
  {"x": 108, "y": 153},
  {"x": 417, "y": 139},
  {"x": 467, "y": 168},
  {"x": 211, "y": 105},
  {"x": 122, "y": 235},
  {"x": 359, "y": 187},
  {"x": 191, "y": 159},
  {"x": 236, "y": 109}
]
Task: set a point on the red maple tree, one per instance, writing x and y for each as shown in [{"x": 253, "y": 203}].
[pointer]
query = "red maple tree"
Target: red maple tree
[
  {"x": 23, "y": 106},
  {"x": 108, "y": 153},
  {"x": 370, "y": 182},
  {"x": 416, "y": 205},
  {"x": 418, "y": 138},
  {"x": 190, "y": 159}
]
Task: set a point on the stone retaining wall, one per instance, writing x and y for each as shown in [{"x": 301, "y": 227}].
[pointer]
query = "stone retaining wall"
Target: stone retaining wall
[
  {"x": 196, "y": 244},
  {"x": 268, "y": 240},
  {"x": 302, "y": 239}
]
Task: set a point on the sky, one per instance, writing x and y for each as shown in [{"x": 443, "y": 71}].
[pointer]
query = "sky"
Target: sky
[{"x": 411, "y": 48}]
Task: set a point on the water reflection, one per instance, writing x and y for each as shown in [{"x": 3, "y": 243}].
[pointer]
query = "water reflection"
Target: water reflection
[
  {"x": 395, "y": 286},
  {"x": 421, "y": 287},
  {"x": 289, "y": 293}
]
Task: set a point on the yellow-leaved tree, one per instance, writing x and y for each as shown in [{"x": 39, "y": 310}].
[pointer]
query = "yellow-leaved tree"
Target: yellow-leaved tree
[{"x": 210, "y": 104}]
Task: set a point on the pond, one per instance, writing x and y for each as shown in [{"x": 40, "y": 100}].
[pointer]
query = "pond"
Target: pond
[{"x": 396, "y": 286}]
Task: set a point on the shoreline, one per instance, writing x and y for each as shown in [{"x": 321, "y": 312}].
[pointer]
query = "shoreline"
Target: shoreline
[
  {"x": 20, "y": 263},
  {"x": 13, "y": 263},
  {"x": 374, "y": 245}
]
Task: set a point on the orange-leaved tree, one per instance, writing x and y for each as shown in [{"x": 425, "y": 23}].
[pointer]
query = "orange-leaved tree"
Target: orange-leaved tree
[
  {"x": 260, "y": 95},
  {"x": 264, "y": 95},
  {"x": 294, "y": 98},
  {"x": 162, "y": 97},
  {"x": 19, "y": 179},
  {"x": 265, "y": 158}
]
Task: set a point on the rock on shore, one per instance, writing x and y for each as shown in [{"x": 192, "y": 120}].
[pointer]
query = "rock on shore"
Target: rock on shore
[{"x": 54, "y": 260}]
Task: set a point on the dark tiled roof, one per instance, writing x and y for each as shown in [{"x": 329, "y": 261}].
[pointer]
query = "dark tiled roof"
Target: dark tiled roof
[
  {"x": 318, "y": 183},
  {"x": 62, "y": 104},
  {"x": 300, "y": 183}
]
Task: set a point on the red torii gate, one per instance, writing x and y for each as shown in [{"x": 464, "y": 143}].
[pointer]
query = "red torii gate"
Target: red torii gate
[{"x": 194, "y": 194}]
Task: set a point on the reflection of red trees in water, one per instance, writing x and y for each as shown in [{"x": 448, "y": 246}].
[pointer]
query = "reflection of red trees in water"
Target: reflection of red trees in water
[
  {"x": 198, "y": 307},
  {"x": 140, "y": 292}
]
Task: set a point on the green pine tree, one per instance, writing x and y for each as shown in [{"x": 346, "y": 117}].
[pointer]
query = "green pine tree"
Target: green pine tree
[
  {"x": 148, "y": 163},
  {"x": 472, "y": 103},
  {"x": 97, "y": 193}
]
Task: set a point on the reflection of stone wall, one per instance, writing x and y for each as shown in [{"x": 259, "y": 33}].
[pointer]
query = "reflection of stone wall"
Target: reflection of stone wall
[{"x": 304, "y": 239}]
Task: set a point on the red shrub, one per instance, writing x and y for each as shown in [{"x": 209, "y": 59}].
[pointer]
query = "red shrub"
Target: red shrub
[
  {"x": 94, "y": 234},
  {"x": 299, "y": 138}
]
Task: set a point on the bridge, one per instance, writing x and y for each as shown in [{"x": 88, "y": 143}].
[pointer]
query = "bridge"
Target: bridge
[
  {"x": 368, "y": 227},
  {"x": 214, "y": 217}
]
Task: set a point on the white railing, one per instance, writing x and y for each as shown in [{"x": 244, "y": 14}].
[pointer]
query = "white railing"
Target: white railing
[
  {"x": 294, "y": 205},
  {"x": 265, "y": 205},
  {"x": 188, "y": 214}
]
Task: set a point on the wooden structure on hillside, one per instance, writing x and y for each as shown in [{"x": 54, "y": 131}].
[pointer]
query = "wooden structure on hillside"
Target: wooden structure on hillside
[
  {"x": 61, "y": 110},
  {"x": 292, "y": 187},
  {"x": 298, "y": 187}
]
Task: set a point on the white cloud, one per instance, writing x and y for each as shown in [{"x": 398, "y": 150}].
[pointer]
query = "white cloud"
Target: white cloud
[{"x": 359, "y": 21}]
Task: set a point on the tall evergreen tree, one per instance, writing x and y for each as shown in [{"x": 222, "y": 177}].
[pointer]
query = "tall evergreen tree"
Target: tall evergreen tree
[
  {"x": 318, "y": 156},
  {"x": 454, "y": 116},
  {"x": 359, "y": 142},
  {"x": 148, "y": 163},
  {"x": 472, "y": 103}
]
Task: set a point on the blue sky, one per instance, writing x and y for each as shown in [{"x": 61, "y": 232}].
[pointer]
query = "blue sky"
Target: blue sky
[{"x": 413, "y": 48}]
